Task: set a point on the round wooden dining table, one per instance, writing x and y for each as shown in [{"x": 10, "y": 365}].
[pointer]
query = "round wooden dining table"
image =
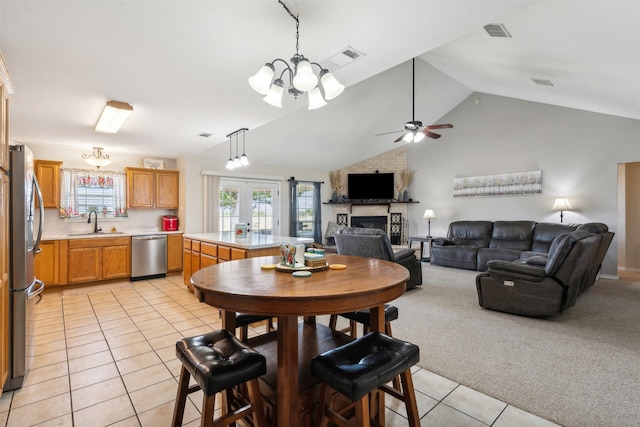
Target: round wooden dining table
[{"x": 243, "y": 286}]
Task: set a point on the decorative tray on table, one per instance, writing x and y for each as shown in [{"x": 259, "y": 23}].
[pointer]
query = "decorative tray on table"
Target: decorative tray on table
[{"x": 300, "y": 267}]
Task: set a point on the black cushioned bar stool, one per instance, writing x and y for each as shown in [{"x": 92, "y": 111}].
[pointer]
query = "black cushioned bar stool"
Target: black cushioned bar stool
[
  {"x": 360, "y": 367},
  {"x": 218, "y": 361},
  {"x": 362, "y": 317},
  {"x": 243, "y": 320}
]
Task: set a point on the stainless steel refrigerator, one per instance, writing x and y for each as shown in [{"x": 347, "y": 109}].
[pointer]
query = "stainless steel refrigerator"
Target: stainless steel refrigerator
[{"x": 24, "y": 288}]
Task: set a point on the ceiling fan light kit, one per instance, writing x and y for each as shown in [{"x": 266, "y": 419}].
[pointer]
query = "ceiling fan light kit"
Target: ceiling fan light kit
[
  {"x": 413, "y": 130},
  {"x": 302, "y": 79}
]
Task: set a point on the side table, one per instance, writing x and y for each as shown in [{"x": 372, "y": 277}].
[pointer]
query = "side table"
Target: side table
[{"x": 422, "y": 241}]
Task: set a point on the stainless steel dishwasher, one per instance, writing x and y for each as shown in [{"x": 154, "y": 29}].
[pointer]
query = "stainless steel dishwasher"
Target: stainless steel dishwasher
[{"x": 148, "y": 256}]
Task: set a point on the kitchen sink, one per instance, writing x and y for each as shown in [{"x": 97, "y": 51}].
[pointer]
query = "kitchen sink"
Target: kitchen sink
[{"x": 99, "y": 233}]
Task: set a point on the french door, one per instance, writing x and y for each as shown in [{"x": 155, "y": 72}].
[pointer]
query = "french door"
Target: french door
[{"x": 256, "y": 203}]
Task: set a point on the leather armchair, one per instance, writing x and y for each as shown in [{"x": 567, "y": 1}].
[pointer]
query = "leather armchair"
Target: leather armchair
[
  {"x": 374, "y": 243},
  {"x": 542, "y": 285}
]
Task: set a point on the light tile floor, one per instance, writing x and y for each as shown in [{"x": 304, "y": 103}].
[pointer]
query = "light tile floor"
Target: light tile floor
[{"x": 104, "y": 355}]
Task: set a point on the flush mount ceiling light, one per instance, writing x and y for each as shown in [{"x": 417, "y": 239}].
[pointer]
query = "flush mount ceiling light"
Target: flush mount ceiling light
[
  {"x": 301, "y": 78},
  {"x": 115, "y": 113},
  {"x": 97, "y": 158},
  {"x": 237, "y": 162}
]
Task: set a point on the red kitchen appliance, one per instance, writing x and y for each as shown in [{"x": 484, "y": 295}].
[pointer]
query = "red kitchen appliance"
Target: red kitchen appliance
[{"x": 169, "y": 223}]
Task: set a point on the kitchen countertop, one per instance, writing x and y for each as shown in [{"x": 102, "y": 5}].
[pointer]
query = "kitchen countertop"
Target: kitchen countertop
[
  {"x": 63, "y": 235},
  {"x": 252, "y": 241}
]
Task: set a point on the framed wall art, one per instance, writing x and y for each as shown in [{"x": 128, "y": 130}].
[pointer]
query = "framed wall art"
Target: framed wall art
[{"x": 505, "y": 184}]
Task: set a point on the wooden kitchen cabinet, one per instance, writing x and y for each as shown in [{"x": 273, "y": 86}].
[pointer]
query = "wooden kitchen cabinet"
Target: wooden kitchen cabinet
[
  {"x": 152, "y": 188},
  {"x": 96, "y": 259},
  {"x": 208, "y": 254},
  {"x": 166, "y": 189},
  {"x": 116, "y": 261},
  {"x": 200, "y": 254},
  {"x": 47, "y": 261},
  {"x": 48, "y": 174},
  {"x": 174, "y": 252},
  {"x": 191, "y": 261},
  {"x": 186, "y": 262}
]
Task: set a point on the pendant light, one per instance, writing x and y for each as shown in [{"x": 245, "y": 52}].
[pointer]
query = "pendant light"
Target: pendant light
[
  {"x": 230, "y": 164},
  {"x": 301, "y": 78},
  {"x": 237, "y": 161}
]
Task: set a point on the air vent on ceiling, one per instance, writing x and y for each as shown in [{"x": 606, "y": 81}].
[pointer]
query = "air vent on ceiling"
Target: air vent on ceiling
[
  {"x": 542, "y": 82},
  {"x": 205, "y": 134},
  {"x": 497, "y": 30},
  {"x": 344, "y": 57}
]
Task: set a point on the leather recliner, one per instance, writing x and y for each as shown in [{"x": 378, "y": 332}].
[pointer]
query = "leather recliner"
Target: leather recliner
[
  {"x": 374, "y": 243},
  {"x": 543, "y": 285}
]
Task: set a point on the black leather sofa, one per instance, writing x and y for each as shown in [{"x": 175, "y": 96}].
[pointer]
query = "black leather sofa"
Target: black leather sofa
[
  {"x": 472, "y": 244},
  {"x": 546, "y": 284},
  {"x": 374, "y": 243}
]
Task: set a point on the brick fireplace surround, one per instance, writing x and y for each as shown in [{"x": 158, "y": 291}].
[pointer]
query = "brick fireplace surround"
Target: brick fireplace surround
[{"x": 394, "y": 214}]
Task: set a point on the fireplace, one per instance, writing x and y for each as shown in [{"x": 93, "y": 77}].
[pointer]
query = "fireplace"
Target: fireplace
[{"x": 379, "y": 222}]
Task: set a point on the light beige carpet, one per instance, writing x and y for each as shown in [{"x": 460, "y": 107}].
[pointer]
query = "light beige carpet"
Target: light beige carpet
[{"x": 580, "y": 368}]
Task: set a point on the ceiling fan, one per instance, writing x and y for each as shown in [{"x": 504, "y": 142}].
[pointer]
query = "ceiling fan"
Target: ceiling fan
[{"x": 413, "y": 130}]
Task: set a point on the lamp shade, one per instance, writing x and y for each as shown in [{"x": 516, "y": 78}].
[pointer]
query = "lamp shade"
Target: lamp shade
[
  {"x": 113, "y": 116},
  {"x": 561, "y": 204},
  {"x": 304, "y": 79},
  {"x": 97, "y": 158},
  {"x": 429, "y": 214},
  {"x": 418, "y": 136},
  {"x": 332, "y": 88},
  {"x": 261, "y": 81},
  {"x": 274, "y": 97},
  {"x": 315, "y": 99}
]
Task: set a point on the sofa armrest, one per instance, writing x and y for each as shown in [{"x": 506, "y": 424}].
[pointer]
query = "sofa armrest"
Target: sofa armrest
[
  {"x": 515, "y": 270},
  {"x": 403, "y": 254},
  {"x": 442, "y": 241}
]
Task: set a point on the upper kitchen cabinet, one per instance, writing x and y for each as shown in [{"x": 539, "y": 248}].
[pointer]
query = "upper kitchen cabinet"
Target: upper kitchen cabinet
[
  {"x": 48, "y": 174},
  {"x": 152, "y": 188}
]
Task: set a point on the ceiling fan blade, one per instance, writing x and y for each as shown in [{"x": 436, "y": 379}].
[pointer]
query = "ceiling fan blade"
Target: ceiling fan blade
[
  {"x": 400, "y": 139},
  {"x": 387, "y": 133},
  {"x": 431, "y": 134},
  {"x": 445, "y": 126}
]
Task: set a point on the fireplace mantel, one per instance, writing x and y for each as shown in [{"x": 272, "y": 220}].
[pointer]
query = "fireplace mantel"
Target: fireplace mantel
[{"x": 365, "y": 203}]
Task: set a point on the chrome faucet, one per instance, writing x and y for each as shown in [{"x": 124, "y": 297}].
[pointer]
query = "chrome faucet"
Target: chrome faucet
[{"x": 95, "y": 226}]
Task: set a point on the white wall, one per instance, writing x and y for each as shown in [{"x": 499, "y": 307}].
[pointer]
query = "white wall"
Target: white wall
[{"x": 577, "y": 151}]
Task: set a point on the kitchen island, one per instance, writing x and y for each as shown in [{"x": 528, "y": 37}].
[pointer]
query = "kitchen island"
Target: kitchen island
[{"x": 204, "y": 249}]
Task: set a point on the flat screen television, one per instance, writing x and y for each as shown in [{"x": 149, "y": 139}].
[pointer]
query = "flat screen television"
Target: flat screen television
[{"x": 370, "y": 186}]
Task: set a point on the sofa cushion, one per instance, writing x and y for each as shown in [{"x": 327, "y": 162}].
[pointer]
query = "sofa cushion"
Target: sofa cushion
[
  {"x": 470, "y": 233},
  {"x": 545, "y": 232},
  {"x": 487, "y": 254},
  {"x": 512, "y": 235}
]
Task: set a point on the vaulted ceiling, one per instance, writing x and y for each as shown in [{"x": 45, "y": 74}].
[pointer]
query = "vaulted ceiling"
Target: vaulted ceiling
[{"x": 184, "y": 65}]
